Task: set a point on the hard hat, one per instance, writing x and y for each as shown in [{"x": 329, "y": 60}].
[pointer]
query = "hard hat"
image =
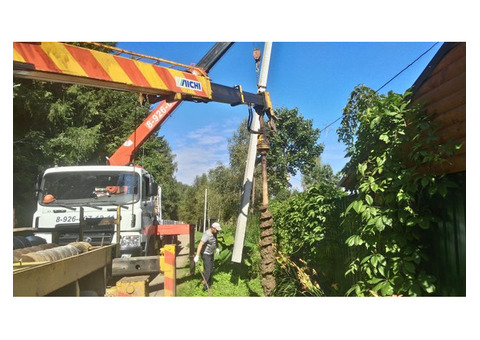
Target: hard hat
[
  {"x": 49, "y": 198},
  {"x": 216, "y": 226}
]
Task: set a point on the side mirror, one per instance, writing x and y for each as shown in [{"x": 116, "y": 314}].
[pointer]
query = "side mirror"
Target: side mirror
[
  {"x": 38, "y": 185},
  {"x": 153, "y": 189}
]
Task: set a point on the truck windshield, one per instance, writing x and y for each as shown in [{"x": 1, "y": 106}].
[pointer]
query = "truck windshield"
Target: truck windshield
[{"x": 95, "y": 187}]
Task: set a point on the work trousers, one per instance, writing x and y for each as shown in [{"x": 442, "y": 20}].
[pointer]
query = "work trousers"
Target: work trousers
[{"x": 208, "y": 268}]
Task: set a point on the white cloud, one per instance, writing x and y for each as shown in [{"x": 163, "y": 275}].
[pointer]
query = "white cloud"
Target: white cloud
[
  {"x": 205, "y": 136},
  {"x": 200, "y": 151}
]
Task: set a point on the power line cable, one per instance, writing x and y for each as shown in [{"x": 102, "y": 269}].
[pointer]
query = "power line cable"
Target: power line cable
[
  {"x": 395, "y": 76},
  {"x": 326, "y": 127},
  {"x": 413, "y": 62}
]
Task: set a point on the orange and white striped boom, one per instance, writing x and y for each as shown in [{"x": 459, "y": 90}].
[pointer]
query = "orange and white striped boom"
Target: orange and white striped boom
[{"x": 58, "y": 62}]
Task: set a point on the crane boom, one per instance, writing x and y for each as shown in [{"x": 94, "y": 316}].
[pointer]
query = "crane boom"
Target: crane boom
[
  {"x": 125, "y": 153},
  {"x": 59, "y": 62}
]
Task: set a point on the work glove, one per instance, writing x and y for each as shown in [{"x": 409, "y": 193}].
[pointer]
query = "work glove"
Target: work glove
[
  {"x": 217, "y": 251},
  {"x": 196, "y": 258}
]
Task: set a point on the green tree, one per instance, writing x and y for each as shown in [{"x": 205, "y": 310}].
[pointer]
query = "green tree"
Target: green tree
[
  {"x": 224, "y": 193},
  {"x": 156, "y": 156},
  {"x": 192, "y": 202},
  {"x": 320, "y": 174},
  {"x": 294, "y": 148}
]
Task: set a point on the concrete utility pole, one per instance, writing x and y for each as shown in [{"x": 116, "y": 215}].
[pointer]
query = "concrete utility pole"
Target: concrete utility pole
[{"x": 250, "y": 166}]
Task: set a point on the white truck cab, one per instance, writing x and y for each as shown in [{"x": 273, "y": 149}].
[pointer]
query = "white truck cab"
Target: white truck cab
[{"x": 97, "y": 191}]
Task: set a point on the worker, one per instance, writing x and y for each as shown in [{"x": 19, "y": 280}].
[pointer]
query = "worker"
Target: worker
[{"x": 208, "y": 244}]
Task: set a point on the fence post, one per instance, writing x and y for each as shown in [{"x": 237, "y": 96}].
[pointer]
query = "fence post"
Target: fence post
[{"x": 170, "y": 270}]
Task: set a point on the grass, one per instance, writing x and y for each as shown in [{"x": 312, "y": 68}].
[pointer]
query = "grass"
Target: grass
[{"x": 225, "y": 284}]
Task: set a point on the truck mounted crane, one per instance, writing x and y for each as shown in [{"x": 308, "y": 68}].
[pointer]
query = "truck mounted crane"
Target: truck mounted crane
[{"x": 98, "y": 192}]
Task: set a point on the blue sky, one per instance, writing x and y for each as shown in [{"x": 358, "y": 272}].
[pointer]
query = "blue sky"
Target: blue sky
[{"x": 315, "y": 77}]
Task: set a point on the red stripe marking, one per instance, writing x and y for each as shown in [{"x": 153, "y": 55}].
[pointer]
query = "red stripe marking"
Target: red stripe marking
[
  {"x": 167, "y": 79},
  {"x": 132, "y": 71},
  {"x": 88, "y": 62},
  {"x": 169, "y": 283},
  {"x": 33, "y": 54},
  {"x": 169, "y": 258}
]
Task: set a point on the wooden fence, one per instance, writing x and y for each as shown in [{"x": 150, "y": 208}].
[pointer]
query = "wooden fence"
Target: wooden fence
[
  {"x": 445, "y": 244},
  {"x": 447, "y": 241}
]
